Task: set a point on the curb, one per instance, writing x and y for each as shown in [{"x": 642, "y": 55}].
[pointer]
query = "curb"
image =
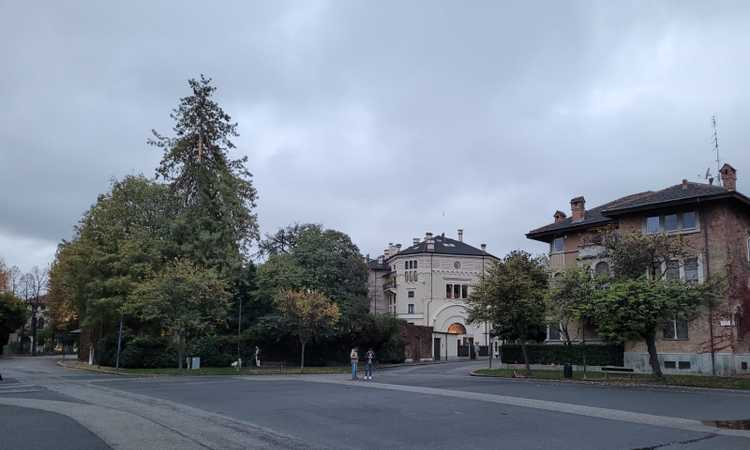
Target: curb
[{"x": 673, "y": 387}]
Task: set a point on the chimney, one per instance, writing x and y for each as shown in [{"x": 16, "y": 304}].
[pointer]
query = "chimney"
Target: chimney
[
  {"x": 416, "y": 241},
  {"x": 728, "y": 177},
  {"x": 559, "y": 216},
  {"x": 484, "y": 247},
  {"x": 460, "y": 235},
  {"x": 386, "y": 253},
  {"x": 381, "y": 259},
  {"x": 428, "y": 236},
  {"x": 578, "y": 208},
  {"x": 684, "y": 183},
  {"x": 398, "y": 248}
]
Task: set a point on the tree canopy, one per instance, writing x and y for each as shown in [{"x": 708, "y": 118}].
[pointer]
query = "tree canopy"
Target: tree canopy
[
  {"x": 308, "y": 315},
  {"x": 510, "y": 296},
  {"x": 216, "y": 223},
  {"x": 13, "y": 315}
]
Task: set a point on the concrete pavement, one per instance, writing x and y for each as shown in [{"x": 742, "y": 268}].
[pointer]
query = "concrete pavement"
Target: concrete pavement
[{"x": 410, "y": 407}]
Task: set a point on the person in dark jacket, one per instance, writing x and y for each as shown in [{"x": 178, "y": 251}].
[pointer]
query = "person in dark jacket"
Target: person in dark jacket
[{"x": 370, "y": 358}]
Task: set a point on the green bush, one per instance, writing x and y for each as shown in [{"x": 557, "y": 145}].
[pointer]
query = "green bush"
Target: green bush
[
  {"x": 148, "y": 352},
  {"x": 596, "y": 355}
]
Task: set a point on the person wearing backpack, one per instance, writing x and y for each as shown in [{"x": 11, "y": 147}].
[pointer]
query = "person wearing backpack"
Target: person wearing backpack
[
  {"x": 370, "y": 357},
  {"x": 354, "y": 356}
]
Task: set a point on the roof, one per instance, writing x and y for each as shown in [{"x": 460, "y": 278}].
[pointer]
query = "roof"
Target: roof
[
  {"x": 592, "y": 217},
  {"x": 671, "y": 196},
  {"x": 444, "y": 246},
  {"x": 375, "y": 264}
]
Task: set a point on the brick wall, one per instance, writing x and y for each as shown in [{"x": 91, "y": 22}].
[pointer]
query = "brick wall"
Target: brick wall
[{"x": 417, "y": 340}]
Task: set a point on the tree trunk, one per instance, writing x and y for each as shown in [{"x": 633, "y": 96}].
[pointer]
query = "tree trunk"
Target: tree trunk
[
  {"x": 33, "y": 330},
  {"x": 180, "y": 352},
  {"x": 525, "y": 357},
  {"x": 653, "y": 358},
  {"x": 302, "y": 356}
]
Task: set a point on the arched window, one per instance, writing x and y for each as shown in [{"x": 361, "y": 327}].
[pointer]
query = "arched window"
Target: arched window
[
  {"x": 456, "y": 328},
  {"x": 601, "y": 269}
]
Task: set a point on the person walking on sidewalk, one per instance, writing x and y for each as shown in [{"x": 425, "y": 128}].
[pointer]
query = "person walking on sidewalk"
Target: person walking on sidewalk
[
  {"x": 370, "y": 357},
  {"x": 354, "y": 356}
]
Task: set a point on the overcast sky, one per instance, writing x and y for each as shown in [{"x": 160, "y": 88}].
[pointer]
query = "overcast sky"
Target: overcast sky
[{"x": 380, "y": 119}]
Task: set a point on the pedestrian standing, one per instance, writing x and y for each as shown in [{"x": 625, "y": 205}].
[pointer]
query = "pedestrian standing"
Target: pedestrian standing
[
  {"x": 368, "y": 366},
  {"x": 354, "y": 356},
  {"x": 257, "y": 357}
]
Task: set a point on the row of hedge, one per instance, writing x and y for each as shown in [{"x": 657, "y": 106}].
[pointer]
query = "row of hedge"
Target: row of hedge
[
  {"x": 591, "y": 354},
  {"x": 221, "y": 351}
]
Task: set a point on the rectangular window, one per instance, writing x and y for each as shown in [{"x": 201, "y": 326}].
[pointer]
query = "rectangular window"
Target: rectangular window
[
  {"x": 673, "y": 271},
  {"x": 652, "y": 225},
  {"x": 411, "y": 308},
  {"x": 448, "y": 291},
  {"x": 416, "y": 265},
  {"x": 464, "y": 291},
  {"x": 689, "y": 220},
  {"x": 456, "y": 291},
  {"x": 553, "y": 332},
  {"x": 670, "y": 365},
  {"x": 557, "y": 245},
  {"x": 670, "y": 222},
  {"x": 410, "y": 294},
  {"x": 676, "y": 329},
  {"x": 684, "y": 365},
  {"x": 691, "y": 270}
]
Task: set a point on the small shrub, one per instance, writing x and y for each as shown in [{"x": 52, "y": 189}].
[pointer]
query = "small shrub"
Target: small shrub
[{"x": 145, "y": 352}]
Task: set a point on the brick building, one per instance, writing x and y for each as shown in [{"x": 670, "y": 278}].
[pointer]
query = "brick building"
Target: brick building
[{"x": 715, "y": 224}]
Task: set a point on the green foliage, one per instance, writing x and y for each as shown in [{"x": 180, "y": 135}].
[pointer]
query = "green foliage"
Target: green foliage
[
  {"x": 148, "y": 352},
  {"x": 510, "y": 295},
  {"x": 184, "y": 299},
  {"x": 635, "y": 309},
  {"x": 309, "y": 315},
  {"x": 215, "y": 224},
  {"x": 13, "y": 315},
  {"x": 122, "y": 239},
  {"x": 595, "y": 355},
  {"x": 566, "y": 299},
  {"x": 634, "y": 255}
]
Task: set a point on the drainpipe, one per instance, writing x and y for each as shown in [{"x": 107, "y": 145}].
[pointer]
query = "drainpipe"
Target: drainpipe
[{"x": 704, "y": 224}]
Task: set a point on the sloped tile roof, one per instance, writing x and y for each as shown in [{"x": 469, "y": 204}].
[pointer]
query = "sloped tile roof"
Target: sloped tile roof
[
  {"x": 641, "y": 201},
  {"x": 445, "y": 246}
]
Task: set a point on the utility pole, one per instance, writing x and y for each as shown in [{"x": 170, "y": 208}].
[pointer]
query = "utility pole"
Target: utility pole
[
  {"x": 239, "y": 336},
  {"x": 119, "y": 345}
]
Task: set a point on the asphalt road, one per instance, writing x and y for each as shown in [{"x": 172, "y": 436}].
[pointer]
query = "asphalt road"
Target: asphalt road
[{"x": 430, "y": 407}]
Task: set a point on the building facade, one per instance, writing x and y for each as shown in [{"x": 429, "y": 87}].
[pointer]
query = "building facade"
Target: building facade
[
  {"x": 427, "y": 284},
  {"x": 714, "y": 222}
]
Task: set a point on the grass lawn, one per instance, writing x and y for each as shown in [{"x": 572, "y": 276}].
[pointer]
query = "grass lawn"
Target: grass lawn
[
  {"x": 293, "y": 370},
  {"x": 671, "y": 380}
]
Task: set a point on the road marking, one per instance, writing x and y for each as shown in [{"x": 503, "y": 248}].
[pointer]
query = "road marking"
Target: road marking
[{"x": 546, "y": 405}]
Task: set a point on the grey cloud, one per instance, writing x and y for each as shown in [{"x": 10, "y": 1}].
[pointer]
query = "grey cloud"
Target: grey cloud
[{"x": 384, "y": 120}]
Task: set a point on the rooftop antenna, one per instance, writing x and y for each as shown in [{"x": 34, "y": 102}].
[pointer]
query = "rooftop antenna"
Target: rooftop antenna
[{"x": 714, "y": 123}]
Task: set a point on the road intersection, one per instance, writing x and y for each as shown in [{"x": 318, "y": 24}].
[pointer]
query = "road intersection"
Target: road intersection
[{"x": 433, "y": 406}]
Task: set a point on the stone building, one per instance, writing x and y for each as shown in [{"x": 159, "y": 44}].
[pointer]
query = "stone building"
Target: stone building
[
  {"x": 714, "y": 221},
  {"x": 427, "y": 284}
]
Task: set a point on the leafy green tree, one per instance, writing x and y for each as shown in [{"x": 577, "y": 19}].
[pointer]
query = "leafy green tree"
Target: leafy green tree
[
  {"x": 122, "y": 240},
  {"x": 216, "y": 224},
  {"x": 634, "y": 309},
  {"x": 308, "y": 314},
  {"x": 569, "y": 292},
  {"x": 13, "y": 315},
  {"x": 284, "y": 240},
  {"x": 321, "y": 260},
  {"x": 510, "y": 295},
  {"x": 640, "y": 299},
  {"x": 184, "y": 299}
]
